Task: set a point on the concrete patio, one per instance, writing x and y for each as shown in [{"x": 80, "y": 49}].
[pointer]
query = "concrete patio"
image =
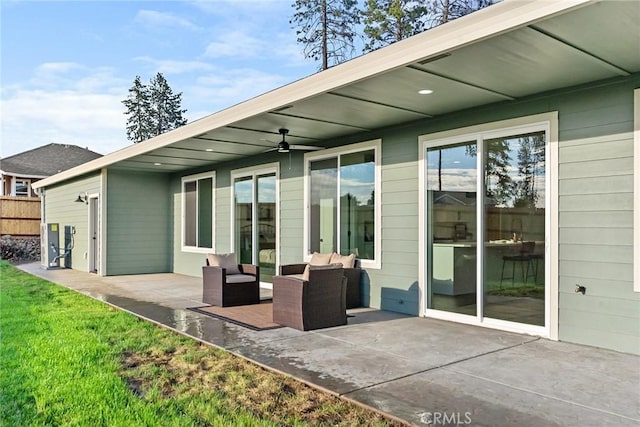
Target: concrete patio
[{"x": 423, "y": 371}]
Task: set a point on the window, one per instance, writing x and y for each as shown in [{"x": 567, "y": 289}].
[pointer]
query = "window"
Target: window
[
  {"x": 198, "y": 211},
  {"x": 488, "y": 224},
  {"x": 22, "y": 187},
  {"x": 343, "y": 212},
  {"x": 254, "y": 214}
]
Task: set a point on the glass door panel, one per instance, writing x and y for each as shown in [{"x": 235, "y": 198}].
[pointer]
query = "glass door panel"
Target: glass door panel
[
  {"x": 243, "y": 192},
  {"x": 514, "y": 228},
  {"x": 266, "y": 226},
  {"x": 324, "y": 205},
  {"x": 452, "y": 238},
  {"x": 357, "y": 195}
]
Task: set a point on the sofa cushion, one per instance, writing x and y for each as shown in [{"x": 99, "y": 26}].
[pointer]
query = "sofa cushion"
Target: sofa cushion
[
  {"x": 347, "y": 261},
  {"x": 320, "y": 259},
  {"x": 305, "y": 273},
  {"x": 240, "y": 278},
  {"x": 228, "y": 261}
]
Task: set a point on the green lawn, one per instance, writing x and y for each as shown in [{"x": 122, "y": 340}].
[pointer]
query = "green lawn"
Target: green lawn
[{"x": 66, "y": 359}]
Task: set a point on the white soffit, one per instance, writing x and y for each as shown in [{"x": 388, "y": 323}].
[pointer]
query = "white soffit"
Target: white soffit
[
  {"x": 616, "y": 38},
  {"x": 399, "y": 88},
  {"x": 520, "y": 63}
]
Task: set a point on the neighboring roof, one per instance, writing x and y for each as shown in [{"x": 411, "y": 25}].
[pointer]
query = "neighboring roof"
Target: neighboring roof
[
  {"x": 46, "y": 160},
  {"x": 505, "y": 52}
]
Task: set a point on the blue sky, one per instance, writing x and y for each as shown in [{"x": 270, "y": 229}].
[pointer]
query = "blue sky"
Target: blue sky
[{"x": 67, "y": 65}]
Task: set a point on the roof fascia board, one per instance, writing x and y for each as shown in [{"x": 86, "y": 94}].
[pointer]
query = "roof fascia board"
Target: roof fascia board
[
  {"x": 22, "y": 175},
  {"x": 493, "y": 21}
]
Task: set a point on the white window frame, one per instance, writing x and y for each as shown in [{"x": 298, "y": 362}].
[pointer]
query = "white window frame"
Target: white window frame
[
  {"x": 376, "y": 146},
  {"x": 192, "y": 178},
  {"x": 254, "y": 172},
  {"x": 14, "y": 186},
  {"x": 547, "y": 122},
  {"x": 636, "y": 190}
]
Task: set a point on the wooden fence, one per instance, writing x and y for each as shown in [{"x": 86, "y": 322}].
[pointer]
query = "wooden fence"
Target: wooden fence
[{"x": 19, "y": 216}]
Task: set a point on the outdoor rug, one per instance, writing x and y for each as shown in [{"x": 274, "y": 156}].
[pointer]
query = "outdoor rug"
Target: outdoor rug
[{"x": 257, "y": 317}]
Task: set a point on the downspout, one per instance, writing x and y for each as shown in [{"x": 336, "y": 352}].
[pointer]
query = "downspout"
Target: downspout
[{"x": 40, "y": 193}]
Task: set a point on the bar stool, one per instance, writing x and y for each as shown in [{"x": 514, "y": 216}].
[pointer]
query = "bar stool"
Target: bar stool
[{"x": 524, "y": 258}]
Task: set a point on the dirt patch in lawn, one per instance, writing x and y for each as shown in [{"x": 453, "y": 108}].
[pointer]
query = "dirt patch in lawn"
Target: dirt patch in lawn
[{"x": 212, "y": 376}]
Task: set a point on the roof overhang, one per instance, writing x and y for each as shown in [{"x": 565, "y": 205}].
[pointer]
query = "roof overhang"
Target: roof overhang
[
  {"x": 22, "y": 175},
  {"x": 505, "y": 52}
]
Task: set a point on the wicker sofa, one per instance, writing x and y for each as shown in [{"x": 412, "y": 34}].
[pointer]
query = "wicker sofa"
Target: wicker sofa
[
  {"x": 226, "y": 283},
  {"x": 318, "y": 301},
  {"x": 351, "y": 267}
]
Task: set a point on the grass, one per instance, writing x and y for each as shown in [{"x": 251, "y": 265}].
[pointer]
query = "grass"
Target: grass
[{"x": 66, "y": 359}]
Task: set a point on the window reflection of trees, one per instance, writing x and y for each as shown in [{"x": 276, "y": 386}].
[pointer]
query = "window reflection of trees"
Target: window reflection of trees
[{"x": 515, "y": 184}]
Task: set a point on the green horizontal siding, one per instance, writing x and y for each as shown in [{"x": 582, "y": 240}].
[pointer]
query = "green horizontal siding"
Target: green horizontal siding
[
  {"x": 596, "y": 219},
  {"x": 61, "y": 208},
  {"x": 139, "y": 218}
]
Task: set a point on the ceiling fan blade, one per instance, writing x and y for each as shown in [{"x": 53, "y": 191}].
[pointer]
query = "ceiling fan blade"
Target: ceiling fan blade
[{"x": 305, "y": 147}]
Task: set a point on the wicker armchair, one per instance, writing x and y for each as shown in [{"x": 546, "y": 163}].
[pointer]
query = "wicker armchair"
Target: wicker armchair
[
  {"x": 352, "y": 275},
  {"x": 226, "y": 290},
  {"x": 319, "y": 302}
]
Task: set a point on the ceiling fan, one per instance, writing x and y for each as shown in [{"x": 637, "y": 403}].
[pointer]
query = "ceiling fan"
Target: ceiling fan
[{"x": 285, "y": 147}]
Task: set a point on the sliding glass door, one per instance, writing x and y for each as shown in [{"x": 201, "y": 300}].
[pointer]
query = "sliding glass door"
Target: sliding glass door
[
  {"x": 485, "y": 216},
  {"x": 452, "y": 181},
  {"x": 514, "y": 228},
  {"x": 255, "y": 220}
]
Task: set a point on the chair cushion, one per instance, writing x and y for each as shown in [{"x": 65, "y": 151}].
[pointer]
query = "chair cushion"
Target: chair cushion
[
  {"x": 240, "y": 278},
  {"x": 305, "y": 273},
  {"x": 320, "y": 259},
  {"x": 347, "y": 261},
  {"x": 228, "y": 261}
]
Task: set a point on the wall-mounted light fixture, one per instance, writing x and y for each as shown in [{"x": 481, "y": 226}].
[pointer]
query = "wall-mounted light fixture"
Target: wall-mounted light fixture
[{"x": 83, "y": 198}]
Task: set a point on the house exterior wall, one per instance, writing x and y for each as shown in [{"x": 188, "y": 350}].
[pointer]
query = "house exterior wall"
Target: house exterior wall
[
  {"x": 595, "y": 216},
  {"x": 139, "y": 218},
  {"x": 60, "y": 207},
  {"x": 596, "y": 219}
]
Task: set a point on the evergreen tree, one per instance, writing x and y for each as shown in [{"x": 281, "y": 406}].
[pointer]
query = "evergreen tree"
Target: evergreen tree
[
  {"x": 326, "y": 29},
  {"x": 138, "y": 112},
  {"x": 498, "y": 182},
  {"x": 152, "y": 109},
  {"x": 389, "y": 21},
  {"x": 442, "y": 11},
  {"x": 166, "y": 109},
  {"x": 530, "y": 161}
]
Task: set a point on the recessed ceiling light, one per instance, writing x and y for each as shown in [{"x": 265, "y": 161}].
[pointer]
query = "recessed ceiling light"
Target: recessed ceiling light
[
  {"x": 157, "y": 164},
  {"x": 425, "y": 91},
  {"x": 208, "y": 149}
]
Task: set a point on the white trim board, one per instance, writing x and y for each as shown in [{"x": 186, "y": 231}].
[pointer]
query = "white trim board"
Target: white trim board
[{"x": 636, "y": 190}]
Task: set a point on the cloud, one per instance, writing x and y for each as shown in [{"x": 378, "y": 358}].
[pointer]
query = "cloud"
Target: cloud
[
  {"x": 35, "y": 118},
  {"x": 154, "y": 20},
  {"x": 226, "y": 87},
  {"x": 79, "y": 105},
  {"x": 237, "y": 44}
]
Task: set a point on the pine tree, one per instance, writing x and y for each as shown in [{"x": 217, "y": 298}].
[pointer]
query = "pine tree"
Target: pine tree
[
  {"x": 166, "y": 110},
  {"x": 138, "y": 110},
  {"x": 152, "y": 109},
  {"x": 443, "y": 11},
  {"x": 326, "y": 29},
  {"x": 389, "y": 21}
]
